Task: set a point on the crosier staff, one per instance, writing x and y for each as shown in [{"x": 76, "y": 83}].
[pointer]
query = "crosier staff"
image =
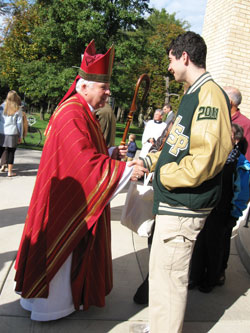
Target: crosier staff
[{"x": 133, "y": 105}]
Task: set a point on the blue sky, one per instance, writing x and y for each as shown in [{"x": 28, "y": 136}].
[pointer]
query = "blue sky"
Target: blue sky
[{"x": 192, "y": 11}]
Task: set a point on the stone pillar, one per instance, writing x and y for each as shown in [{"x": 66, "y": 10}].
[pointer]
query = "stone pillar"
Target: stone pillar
[{"x": 226, "y": 31}]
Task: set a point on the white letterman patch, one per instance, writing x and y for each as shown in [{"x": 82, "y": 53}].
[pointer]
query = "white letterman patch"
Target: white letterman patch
[{"x": 176, "y": 139}]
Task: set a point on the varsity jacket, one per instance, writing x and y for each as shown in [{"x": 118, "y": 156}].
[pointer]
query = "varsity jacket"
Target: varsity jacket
[{"x": 188, "y": 173}]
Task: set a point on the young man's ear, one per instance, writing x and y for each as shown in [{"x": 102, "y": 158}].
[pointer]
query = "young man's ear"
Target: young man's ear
[{"x": 185, "y": 57}]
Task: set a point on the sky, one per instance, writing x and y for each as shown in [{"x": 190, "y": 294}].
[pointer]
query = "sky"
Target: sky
[{"x": 192, "y": 11}]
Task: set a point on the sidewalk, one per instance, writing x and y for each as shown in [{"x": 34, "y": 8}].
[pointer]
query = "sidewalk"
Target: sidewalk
[{"x": 226, "y": 309}]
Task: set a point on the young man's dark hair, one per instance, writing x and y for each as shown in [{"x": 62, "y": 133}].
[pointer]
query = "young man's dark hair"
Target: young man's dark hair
[
  {"x": 191, "y": 43},
  {"x": 168, "y": 105}
]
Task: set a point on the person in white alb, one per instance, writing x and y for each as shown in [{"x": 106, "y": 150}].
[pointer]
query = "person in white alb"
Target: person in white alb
[{"x": 152, "y": 131}]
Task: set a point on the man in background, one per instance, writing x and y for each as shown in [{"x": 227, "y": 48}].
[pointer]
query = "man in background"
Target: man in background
[
  {"x": 152, "y": 131},
  {"x": 168, "y": 113},
  {"x": 107, "y": 122},
  {"x": 235, "y": 98}
]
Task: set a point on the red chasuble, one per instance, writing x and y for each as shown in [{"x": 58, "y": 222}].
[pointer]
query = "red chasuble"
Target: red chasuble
[{"x": 69, "y": 210}]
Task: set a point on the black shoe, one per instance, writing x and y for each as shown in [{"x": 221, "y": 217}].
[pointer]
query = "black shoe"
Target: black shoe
[
  {"x": 141, "y": 295},
  {"x": 205, "y": 288}
]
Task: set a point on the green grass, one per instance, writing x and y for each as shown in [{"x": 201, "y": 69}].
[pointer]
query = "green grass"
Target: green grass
[
  {"x": 132, "y": 130},
  {"x": 42, "y": 124}
]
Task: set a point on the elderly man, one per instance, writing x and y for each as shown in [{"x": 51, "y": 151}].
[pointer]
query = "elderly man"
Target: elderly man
[
  {"x": 237, "y": 117},
  {"x": 64, "y": 260},
  {"x": 152, "y": 131}
]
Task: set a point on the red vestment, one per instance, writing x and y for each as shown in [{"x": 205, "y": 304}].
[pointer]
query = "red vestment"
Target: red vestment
[{"x": 69, "y": 210}]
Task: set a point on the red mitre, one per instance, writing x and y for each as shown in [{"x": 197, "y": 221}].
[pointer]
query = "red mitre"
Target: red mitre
[{"x": 94, "y": 67}]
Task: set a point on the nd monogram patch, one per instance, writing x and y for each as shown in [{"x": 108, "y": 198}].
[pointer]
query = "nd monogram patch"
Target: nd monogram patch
[{"x": 176, "y": 139}]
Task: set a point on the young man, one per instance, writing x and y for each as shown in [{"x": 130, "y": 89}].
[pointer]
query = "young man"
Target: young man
[
  {"x": 187, "y": 182},
  {"x": 64, "y": 260}
]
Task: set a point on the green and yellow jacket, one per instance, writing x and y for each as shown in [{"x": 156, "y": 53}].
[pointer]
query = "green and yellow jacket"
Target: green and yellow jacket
[{"x": 188, "y": 170}]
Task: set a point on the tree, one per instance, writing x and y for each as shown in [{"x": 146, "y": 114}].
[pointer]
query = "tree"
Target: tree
[
  {"x": 149, "y": 56},
  {"x": 44, "y": 40},
  {"x": 163, "y": 28},
  {"x": 4, "y": 7},
  {"x": 17, "y": 47},
  {"x": 57, "y": 33}
]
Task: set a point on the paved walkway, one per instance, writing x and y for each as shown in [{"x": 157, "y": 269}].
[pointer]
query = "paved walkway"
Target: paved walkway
[{"x": 226, "y": 309}]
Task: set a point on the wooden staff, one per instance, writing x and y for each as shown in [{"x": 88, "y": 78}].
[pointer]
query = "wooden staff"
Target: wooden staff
[{"x": 133, "y": 105}]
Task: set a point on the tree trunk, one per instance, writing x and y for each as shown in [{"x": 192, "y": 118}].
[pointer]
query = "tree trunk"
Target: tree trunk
[
  {"x": 41, "y": 113},
  {"x": 118, "y": 117},
  {"x": 48, "y": 107}
]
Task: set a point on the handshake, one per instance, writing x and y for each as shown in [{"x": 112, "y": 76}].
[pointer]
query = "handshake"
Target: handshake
[{"x": 138, "y": 170}]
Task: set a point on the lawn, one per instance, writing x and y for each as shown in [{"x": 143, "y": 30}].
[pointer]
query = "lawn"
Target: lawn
[
  {"x": 41, "y": 124},
  {"x": 132, "y": 130}
]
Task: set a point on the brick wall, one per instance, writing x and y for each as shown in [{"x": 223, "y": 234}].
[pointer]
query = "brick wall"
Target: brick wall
[{"x": 226, "y": 31}]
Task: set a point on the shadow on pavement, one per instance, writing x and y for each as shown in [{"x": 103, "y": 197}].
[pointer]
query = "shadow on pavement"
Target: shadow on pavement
[
  {"x": 6, "y": 257},
  {"x": 205, "y": 310},
  {"x": 12, "y": 216},
  {"x": 211, "y": 307}
]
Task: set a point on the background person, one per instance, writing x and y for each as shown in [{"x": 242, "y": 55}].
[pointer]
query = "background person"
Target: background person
[
  {"x": 4, "y": 158},
  {"x": 11, "y": 128},
  {"x": 212, "y": 248},
  {"x": 64, "y": 261},
  {"x": 132, "y": 147},
  {"x": 240, "y": 198},
  {"x": 4, "y": 161},
  {"x": 107, "y": 122},
  {"x": 168, "y": 113},
  {"x": 235, "y": 98},
  {"x": 152, "y": 131}
]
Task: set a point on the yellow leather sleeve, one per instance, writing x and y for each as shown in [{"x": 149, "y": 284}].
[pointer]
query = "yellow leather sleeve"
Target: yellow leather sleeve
[
  {"x": 151, "y": 160},
  {"x": 210, "y": 143}
]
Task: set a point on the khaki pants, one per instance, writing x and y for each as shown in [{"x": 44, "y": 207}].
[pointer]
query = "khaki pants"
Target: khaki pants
[{"x": 173, "y": 242}]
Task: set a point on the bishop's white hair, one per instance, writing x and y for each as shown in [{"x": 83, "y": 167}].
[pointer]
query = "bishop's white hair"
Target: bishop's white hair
[{"x": 81, "y": 82}]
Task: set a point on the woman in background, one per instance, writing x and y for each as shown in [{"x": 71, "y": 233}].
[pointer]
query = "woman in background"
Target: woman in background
[{"x": 11, "y": 127}]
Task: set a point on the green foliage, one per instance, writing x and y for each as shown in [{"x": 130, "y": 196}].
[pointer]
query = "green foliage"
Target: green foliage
[
  {"x": 4, "y": 7},
  {"x": 163, "y": 27},
  {"x": 18, "y": 47},
  {"x": 43, "y": 41}
]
